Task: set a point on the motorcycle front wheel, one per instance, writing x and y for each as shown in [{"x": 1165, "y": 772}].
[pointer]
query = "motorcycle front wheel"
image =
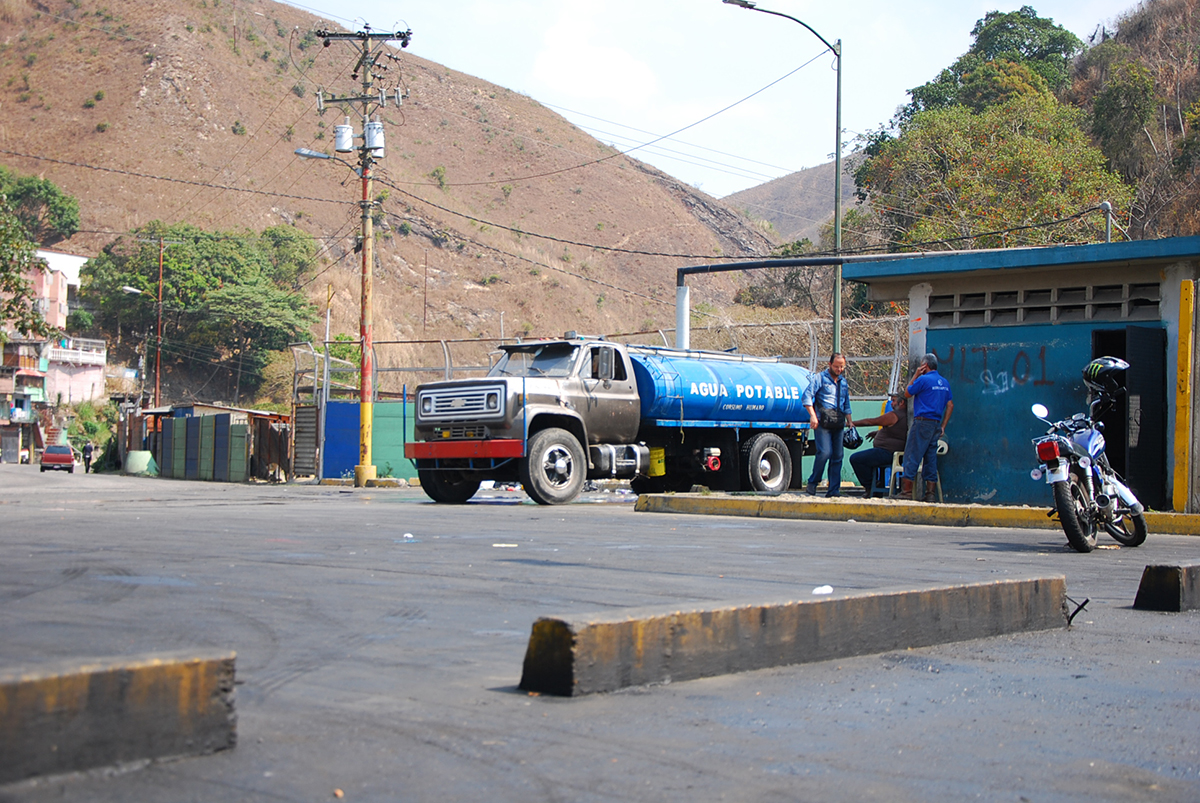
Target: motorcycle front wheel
[
  {"x": 1070, "y": 498},
  {"x": 1128, "y": 530}
]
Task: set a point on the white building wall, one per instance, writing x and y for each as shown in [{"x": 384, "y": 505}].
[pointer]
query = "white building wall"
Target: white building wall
[{"x": 75, "y": 383}]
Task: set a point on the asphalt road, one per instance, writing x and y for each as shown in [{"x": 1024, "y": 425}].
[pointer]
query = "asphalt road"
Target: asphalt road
[{"x": 380, "y": 640}]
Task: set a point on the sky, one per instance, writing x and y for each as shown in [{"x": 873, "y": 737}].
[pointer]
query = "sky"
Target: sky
[{"x": 710, "y": 75}]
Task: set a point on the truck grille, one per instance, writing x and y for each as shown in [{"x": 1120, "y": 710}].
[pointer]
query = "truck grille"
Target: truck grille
[
  {"x": 462, "y": 404},
  {"x": 477, "y": 433}
]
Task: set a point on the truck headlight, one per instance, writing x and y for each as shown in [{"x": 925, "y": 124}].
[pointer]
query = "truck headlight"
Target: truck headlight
[
  {"x": 426, "y": 405},
  {"x": 493, "y": 401}
]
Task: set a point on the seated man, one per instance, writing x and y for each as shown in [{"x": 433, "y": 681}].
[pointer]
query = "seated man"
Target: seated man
[{"x": 888, "y": 440}]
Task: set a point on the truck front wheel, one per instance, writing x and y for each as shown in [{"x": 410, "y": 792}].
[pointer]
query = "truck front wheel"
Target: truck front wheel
[
  {"x": 555, "y": 468},
  {"x": 447, "y": 487},
  {"x": 768, "y": 463}
]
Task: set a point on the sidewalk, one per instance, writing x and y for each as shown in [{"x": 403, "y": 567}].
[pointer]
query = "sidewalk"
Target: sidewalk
[{"x": 895, "y": 511}]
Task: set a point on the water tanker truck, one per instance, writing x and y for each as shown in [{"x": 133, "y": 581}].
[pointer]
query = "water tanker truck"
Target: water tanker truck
[{"x": 554, "y": 413}]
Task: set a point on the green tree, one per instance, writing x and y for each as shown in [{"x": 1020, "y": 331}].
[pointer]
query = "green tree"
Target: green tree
[
  {"x": 1025, "y": 38},
  {"x": 292, "y": 254},
  {"x": 999, "y": 81},
  {"x": 226, "y": 296},
  {"x": 1139, "y": 86},
  {"x": 1119, "y": 113},
  {"x": 1017, "y": 37},
  {"x": 18, "y": 258},
  {"x": 47, "y": 213},
  {"x": 254, "y": 319},
  {"x": 195, "y": 264},
  {"x": 951, "y": 176}
]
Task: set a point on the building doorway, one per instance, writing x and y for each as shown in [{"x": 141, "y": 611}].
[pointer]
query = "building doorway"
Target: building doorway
[{"x": 1135, "y": 430}]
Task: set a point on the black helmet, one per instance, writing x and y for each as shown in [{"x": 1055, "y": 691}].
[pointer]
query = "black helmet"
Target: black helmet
[
  {"x": 1103, "y": 374},
  {"x": 851, "y": 439}
]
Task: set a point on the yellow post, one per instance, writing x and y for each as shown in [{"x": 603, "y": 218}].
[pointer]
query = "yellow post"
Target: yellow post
[{"x": 1181, "y": 486}]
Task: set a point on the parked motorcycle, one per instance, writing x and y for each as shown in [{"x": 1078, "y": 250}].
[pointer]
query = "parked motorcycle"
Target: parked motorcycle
[{"x": 1088, "y": 494}]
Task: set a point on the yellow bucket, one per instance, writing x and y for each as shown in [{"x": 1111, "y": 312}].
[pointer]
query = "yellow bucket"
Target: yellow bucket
[{"x": 658, "y": 461}]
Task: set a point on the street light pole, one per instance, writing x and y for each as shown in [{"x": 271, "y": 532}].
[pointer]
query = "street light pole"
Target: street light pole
[
  {"x": 133, "y": 291},
  {"x": 158, "y": 335},
  {"x": 836, "y": 49}
]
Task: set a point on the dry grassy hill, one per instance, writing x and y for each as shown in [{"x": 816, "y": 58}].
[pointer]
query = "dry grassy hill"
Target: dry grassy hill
[
  {"x": 797, "y": 205},
  {"x": 189, "y": 111}
]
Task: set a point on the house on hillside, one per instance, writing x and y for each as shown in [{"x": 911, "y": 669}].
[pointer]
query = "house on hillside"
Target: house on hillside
[
  {"x": 39, "y": 375},
  {"x": 1016, "y": 326}
]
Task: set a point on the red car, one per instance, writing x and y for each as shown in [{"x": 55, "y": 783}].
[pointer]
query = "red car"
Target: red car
[{"x": 58, "y": 457}]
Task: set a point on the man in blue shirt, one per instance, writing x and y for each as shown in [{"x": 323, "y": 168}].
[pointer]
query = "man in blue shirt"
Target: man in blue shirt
[
  {"x": 932, "y": 404},
  {"x": 827, "y": 400}
]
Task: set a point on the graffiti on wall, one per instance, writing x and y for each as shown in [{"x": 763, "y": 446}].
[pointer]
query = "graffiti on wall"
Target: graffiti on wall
[
  {"x": 992, "y": 368},
  {"x": 995, "y": 379}
]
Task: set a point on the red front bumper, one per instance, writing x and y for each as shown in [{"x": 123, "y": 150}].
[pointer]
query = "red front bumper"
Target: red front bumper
[{"x": 499, "y": 447}]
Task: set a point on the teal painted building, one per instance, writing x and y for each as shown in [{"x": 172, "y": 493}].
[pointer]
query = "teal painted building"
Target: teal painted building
[{"x": 1014, "y": 327}]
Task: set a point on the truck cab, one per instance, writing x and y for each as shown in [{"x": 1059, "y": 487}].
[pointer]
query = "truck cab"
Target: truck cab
[{"x": 548, "y": 414}]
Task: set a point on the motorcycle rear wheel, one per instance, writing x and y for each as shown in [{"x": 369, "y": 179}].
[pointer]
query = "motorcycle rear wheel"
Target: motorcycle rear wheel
[
  {"x": 1128, "y": 530},
  {"x": 1070, "y": 499}
]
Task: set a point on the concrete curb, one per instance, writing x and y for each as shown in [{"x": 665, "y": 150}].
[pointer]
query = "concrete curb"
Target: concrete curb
[
  {"x": 385, "y": 482},
  {"x": 1169, "y": 588},
  {"x": 71, "y": 716},
  {"x": 895, "y": 511},
  {"x": 586, "y": 653}
]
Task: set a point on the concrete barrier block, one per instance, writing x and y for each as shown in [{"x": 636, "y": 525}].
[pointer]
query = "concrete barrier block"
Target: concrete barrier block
[
  {"x": 573, "y": 655},
  {"x": 1169, "y": 588},
  {"x": 76, "y": 715}
]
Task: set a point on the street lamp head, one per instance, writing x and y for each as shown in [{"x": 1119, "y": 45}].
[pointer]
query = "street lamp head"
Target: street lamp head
[
  {"x": 742, "y": 3},
  {"x": 307, "y": 153},
  {"x": 133, "y": 291}
]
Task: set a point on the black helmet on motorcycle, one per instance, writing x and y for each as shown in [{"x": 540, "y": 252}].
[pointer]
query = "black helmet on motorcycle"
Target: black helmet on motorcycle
[{"x": 1103, "y": 374}]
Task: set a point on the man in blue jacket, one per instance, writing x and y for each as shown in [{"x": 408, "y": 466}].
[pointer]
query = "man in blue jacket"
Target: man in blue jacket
[
  {"x": 827, "y": 400},
  {"x": 932, "y": 404}
]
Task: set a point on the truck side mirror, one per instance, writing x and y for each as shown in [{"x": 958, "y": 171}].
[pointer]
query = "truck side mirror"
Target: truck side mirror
[{"x": 606, "y": 368}]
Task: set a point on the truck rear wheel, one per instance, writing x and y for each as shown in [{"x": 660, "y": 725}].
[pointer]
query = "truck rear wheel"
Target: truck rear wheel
[
  {"x": 555, "y": 468},
  {"x": 768, "y": 463},
  {"x": 447, "y": 487}
]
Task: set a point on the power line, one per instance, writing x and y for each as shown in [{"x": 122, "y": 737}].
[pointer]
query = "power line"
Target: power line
[
  {"x": 689, "y": 144},
  {"x": 307, "y": 110},
  {"x": 564, "y": 241},
  {"x": 184, "y": 181},
  {"x": 635, "y": 148},
  {"x": 387, "y": 183}
]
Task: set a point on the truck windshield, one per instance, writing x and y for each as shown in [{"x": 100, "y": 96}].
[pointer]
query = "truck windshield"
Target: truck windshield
[{"x": 553, "y": 359}]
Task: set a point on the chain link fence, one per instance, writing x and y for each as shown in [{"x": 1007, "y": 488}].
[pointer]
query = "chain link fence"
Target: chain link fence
[{"x": 876, "y": 351}]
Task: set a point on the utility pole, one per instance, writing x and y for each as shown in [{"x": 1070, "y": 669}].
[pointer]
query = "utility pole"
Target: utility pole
[
  {"x": 158, "y": 335},
  {"x": 367, "y": 71}
]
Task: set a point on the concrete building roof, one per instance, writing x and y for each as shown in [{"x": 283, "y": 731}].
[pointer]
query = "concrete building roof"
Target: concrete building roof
[{"x": 1144, "y": 253}]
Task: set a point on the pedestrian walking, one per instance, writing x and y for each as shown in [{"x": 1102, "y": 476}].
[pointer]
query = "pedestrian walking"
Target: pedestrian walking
[
  {"x": 932, "y": 403},
  {"x": 88, "y": 449},
  {"x": 827, "y": 400}
]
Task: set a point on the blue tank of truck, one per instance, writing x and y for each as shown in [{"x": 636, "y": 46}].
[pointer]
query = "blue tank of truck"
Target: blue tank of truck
[{"x": 692, "y": 386}]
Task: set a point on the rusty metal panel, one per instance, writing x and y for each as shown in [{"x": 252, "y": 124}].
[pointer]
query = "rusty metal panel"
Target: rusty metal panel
[{"x": 305, "y": 441}]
